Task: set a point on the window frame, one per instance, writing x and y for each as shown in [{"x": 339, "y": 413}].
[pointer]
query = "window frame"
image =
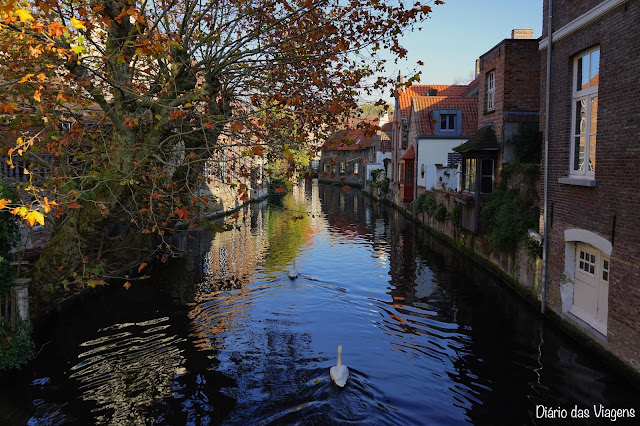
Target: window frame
[
  {"x": 491, "y": 91},
  {"x": 444, "y": 119},
  {"x": 587, "y": 96},
  {"x": 484, "y": 176}
]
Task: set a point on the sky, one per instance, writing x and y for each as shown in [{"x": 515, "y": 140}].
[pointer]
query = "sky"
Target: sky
[{"x": 458, "y": 32}]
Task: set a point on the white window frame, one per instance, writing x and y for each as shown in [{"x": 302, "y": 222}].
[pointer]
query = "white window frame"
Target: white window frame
[
  {"x": 587, "y": 96},
  {"x": 444, "y": 119},
  {"x": 491, "y": 91}
]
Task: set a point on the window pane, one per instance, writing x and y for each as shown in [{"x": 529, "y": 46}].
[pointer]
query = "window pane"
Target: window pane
[
  {"x": 487, "y": 167},
  {"x": 583, "y": 73},
  {"x": 578, "y": 157},
  {"x": 593, "y": 115},
  {"x": 592, "y": 153},
  {"x": 443, "y": 122},
  {"x": 581, "y": 116},
  {"x": 452, "y": 122},
  {"x": 595, "y": 67},
  {"x": 486, "y": 184}
]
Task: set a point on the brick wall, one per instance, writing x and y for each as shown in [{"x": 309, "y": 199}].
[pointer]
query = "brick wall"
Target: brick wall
[
  {"x": 617, "y": 175},
  {"x": 516, "y": 63}
]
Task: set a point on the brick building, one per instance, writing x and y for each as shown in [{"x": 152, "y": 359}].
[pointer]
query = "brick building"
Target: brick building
[
  {"x": 593, "y": 227},
  {"x": 508, "y": 94},
  {"x": 344, "y": 156}
]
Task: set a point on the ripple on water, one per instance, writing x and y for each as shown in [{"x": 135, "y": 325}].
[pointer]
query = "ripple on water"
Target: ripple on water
[{"x": 123, "y": 373}]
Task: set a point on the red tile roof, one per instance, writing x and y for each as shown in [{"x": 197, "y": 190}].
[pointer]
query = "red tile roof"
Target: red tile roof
[
  {"x": 350, "y": 140},
  {"x": 405, "y": 96},
  {"x": 423, "y": 105}
]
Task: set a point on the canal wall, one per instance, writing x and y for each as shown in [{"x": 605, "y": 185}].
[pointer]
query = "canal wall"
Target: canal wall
[{"x": 521, "y": 269}]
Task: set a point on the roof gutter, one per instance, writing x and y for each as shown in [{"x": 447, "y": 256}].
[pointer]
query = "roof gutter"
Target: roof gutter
[{"x": 547, "y": 125}]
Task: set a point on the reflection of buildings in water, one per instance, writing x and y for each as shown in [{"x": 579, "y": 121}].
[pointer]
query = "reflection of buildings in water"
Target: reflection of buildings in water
[
  {"x": 127, "y": 369},
  {"x": 228, "y": 266}
]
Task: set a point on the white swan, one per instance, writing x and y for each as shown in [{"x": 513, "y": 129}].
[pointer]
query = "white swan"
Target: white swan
[
  {"x": 293, "y": 272},
  {"x": 339, "y": 373}
]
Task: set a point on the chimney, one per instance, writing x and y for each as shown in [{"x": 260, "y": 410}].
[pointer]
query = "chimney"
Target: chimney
[
  {"x": 477, "y": 73},
  {"x": 526, "y": 33}
]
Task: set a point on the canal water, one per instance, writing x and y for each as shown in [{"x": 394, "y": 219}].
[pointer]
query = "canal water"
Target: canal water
[{"x": 224, "y": 336}]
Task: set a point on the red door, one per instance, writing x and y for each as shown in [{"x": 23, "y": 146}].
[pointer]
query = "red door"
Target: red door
[{"x": 407, "y": 195}]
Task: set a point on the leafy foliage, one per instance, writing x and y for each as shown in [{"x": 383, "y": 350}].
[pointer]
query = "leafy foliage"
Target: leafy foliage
[
  {"x": 454, "y": 216},
  {"x": 507, "y": 217},
  {"x": 440, "y": 212},
  {"x": 133, "y": 103},
  {"x": 17, "y": 348},
  {"x": 426, "y": 202}
]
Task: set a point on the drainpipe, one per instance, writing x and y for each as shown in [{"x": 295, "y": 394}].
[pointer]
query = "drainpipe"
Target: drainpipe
[{"x": 547, "y": 125}]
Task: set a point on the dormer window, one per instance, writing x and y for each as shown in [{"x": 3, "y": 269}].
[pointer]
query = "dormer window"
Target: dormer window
[{"x": 448, "y": 122}]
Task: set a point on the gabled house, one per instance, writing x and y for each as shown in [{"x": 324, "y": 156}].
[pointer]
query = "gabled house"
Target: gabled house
[
  {"x": 403, "y": 171},
  {"x": 437, "y": 125},
  {"x": 381, "y": 150},
  {"x": 508, "y": 94},
  {"x": 593, "y": 186},
  {"x": 344, "y": 156}
]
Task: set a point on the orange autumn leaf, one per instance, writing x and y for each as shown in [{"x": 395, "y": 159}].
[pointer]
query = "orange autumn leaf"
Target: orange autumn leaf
[
  {"x": 258, "y": 150},
  {"x": 236, "y": 126},
  {"x": 3, "y": 203},
  {"x": 25, "y": 78},
  {"x": 74, "y": 205},
  {"x": 280, "y": 190},
  {"x": 142, "y": 266},
  {"x": 56, "y": 29},
  {"x": 46, "y": 204},
  {"x": 8, "y": 107},
  {"x": 126, "y": 285},
  {"x": 34, "y": 216},
  {"x": 183, "y": 212},
  {"x": 346, "y": 188},
  {"x": 36, "y": 96}
]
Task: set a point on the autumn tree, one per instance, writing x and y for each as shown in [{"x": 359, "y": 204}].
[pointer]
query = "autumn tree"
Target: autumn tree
[{"x": 126, "y": 100}]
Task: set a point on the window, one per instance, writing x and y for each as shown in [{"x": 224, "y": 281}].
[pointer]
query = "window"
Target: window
[
  {"x": 448, "y": 122},
  {"x": 586, "y": 72},
  {"x": 470, "y": 174},
  {"x": 342, "y": 167},
  {"x": 356, "y": 168},
  {"x": 486, "y": 175},
  {"x": 491, "y": 90},
  {"x": 405, "y": 134}
]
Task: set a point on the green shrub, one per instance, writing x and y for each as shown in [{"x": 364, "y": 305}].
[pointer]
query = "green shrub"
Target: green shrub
[
  {"x": 426, "y": 202},
  {"x": 440, "y": 212},
  {"x": 507, "y": 217},
  {"x": 16, "y": 348},
  {"x": 454, "y": 216}
]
